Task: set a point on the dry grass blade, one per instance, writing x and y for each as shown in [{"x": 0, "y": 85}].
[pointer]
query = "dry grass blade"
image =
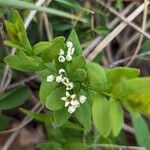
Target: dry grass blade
[
  {"x": 141, "y": 36},
  {"x": 115, "y": 32}
]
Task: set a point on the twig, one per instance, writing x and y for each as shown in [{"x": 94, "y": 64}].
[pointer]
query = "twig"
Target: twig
[
  {"x": 120, "y": 147},
  {"x": 111, "y": 25},
  {"x": 125, "y": 19},
  {"x": 16, "y": 130},
  {"x": 129, "y": 42},
  {"x": 118, "y": 62},
  {"x": 141, "y": 36},
  {"x": 114, "y": 33},
  {"x": 22, "y": 82},
  {"x": 26, "y": 24}
]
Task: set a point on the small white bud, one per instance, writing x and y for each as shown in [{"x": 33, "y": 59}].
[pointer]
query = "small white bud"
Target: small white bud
[
  {"x": 69, "y": 86},
  {"x": 71, "y": 51},
  {"x": 50, "y": 78},
  {"x": 69, "y": 57},
  {"x": 82, "y": 99},
  {"x": 65, "y": 81},
  {"x": 69, "y": 44},
  {"x": 75, "y": 103},
  {"x": 62, "y": 71},
  {"x": 58, "y": 79},
  {"x": 61, "y": 52},
  {"x": 61, "y": 59},
  {"x": 71, "y": 109}
]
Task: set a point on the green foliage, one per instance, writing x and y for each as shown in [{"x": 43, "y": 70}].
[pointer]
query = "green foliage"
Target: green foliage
[
  {"x": 27, "y": 5},
  {"x": 83, "y": 114},
  {"x": 4, "y": 122},
  {"x": 14, "y": 98},
  {"x": 96, "y": 76},
  {"x": 76, "y": 146},
  {"x": 142, "y": 132},
  {"x": 134, "y": 93},
  {"x": 45, "y": 90},
  {"x": 54, "y": 48},
  {"x": 61, "y": 116},
  {"x": 37, "y": 116},
  {"x": 50, "y": 146},
  {"x": 101, "y": 117},
  {"x": 116, "y": 116},
  {"x": 115, "y": 75},
  {"x": 53, "y": 101},
  {"x": 96, "y": 94}
]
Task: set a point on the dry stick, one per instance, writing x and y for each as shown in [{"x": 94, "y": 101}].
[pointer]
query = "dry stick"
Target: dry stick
[
  {"x": 131, "y": 40},
  {"x": 141, "y": 36},
  {"x": 120, "y": 147},
  {"x": 25, "y": 121},
  {"x": 22, "y": 82},
  {"x": 118, "y": 62},
  {"x": 111, "y": 26},
  {"x": 26, "y": 24},
  {"x": 125, "y": 19},
  {"x": 114, "y": 33}
]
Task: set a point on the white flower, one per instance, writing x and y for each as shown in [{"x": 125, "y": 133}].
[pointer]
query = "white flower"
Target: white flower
[
  {"x": 61, "y": 59},
  {"x": 71, "y": 109},
  {"x": 62, "y": 71},
  {"x": 71, "y": 51},
  {"x": 82, "y": 99},
  {"x": 75, "y": 103},
  {"x": 61, "y": 52},
  {"x": 69, "y": 86},
  {"x": 69, "y": 44},
  {"x": 65, "y": 80},
  {"x": 50, "y": 78},
  {"x": 59, "y": 79},
  {"x": 69, "y": 57},
  {"x": 68, "y": 98}
]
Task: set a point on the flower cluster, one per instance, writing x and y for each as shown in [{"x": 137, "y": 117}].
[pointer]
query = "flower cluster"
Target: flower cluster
[
  {"x": 62, "y": 58},
  {"x": 71, "y": 101}
]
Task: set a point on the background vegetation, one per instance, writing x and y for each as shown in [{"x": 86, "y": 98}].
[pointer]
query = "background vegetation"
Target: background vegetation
[{"x": 111, "y": 33}]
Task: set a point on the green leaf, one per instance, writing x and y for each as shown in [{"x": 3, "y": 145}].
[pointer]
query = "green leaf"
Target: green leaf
[
  {"x": 22, "y": 62},
  {"x": 115, "y": 75},
  {"x": 135, "y": 93},
  {"x": 41, "y": 47},
  {"x": 76, "y": 146},
  {"x": 79, "y": 75},
  {"x": 83, "y": 114},
  {"x": 11, "y": 30},
  {"x": 71, "y": 125},
  {"x": 17, "y": 20},
  {"x": 53, "y": 101},
  {"x": 74, "y": 5},
  {"x": 23, "y": 39},
  {"x": 14, "y": 45},
  {"x": 77, "y": 63},
  {"x": 96, "y": 77},
  {"x": 38, "y": 116},
  {"x": 74, "y": 39},
  {"x": 61, "y": 116},
  {"x": 146, "y": 46},
  {"x": 45, "y": 90},
  {"x": 27, "y": 5},
  {"x": 142, "y": 132},
  {"x": 116, "y": 116},
  {"x": 53, "y": 50},
  {"x": 49, "y": 146},
  {"x": 101, "y": 117},
  {"x": 4, "y": 122},
  {"x": 14, "y": 98}
]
